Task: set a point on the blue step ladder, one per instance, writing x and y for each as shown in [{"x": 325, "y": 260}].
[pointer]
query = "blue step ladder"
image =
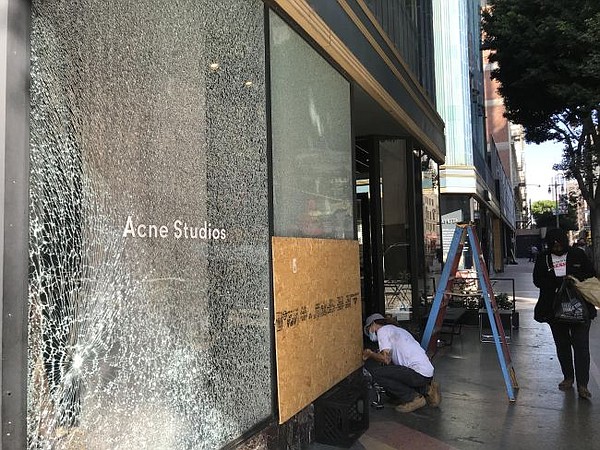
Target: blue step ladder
[{"x": 444, "y": 293}]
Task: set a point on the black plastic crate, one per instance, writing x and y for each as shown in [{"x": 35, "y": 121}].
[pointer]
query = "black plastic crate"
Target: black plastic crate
[
  {"x": 341, "y": 415},
  {"x": 485, "y": 329}
]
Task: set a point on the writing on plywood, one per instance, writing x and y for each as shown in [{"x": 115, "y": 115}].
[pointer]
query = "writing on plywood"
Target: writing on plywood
[{"x": 317, "y": 317}]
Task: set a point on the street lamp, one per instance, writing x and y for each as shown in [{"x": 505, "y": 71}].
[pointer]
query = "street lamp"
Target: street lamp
[{"x": 556, "y": 182}]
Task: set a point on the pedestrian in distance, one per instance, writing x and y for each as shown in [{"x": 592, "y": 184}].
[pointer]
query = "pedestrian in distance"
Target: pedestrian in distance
[
  {"x": 571, "y": 340},
  {"x": 533, "y": 252},
  {"x": 582, "y": 244},
  {"x": 401, "y": 367}
]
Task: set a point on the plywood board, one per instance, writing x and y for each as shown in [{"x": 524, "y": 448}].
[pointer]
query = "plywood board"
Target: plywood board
[{"x": 318, "y": 322}]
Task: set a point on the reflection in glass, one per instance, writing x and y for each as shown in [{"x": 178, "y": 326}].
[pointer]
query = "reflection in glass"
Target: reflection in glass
[
  {"x": 431, "y": 219},
  {"x": 395, "y": 225},
  {"x": 312, "y": 150},
  {"x": 431, "y": 226}
]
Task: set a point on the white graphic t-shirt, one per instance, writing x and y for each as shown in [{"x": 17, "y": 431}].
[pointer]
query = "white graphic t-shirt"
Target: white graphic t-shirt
[{"x": 560, "y": 265}]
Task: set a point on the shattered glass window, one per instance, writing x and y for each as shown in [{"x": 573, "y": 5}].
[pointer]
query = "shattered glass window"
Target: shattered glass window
[
  {"x": 149, "y": 294},
  {"x": 313, "y": 194}
]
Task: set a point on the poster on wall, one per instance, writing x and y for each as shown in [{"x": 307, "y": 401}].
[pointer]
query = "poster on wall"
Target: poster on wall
[{"x": 318, "y": 329}]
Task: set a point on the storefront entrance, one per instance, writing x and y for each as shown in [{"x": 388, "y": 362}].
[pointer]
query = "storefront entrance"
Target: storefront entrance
[{"x": 390, "y": 227}]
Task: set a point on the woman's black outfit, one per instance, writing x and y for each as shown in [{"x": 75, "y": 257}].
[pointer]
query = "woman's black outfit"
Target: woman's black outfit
[{"x": 568, "y": 338}]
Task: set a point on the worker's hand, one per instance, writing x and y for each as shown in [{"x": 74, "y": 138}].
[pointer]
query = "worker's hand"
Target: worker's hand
[{"x": 367, "y": 352}]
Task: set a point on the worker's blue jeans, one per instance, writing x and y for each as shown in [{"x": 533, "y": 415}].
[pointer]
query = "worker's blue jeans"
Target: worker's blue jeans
[{"x": 399, "y": 382}]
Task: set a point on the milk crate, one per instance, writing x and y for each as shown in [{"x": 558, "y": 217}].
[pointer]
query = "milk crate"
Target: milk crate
[{"x": 341, "y": 415}]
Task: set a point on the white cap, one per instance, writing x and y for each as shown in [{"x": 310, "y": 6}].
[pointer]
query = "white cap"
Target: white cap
[{"x": 372, "y": 318}]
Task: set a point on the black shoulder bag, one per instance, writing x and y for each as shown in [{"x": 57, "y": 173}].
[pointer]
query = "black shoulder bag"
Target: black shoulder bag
[{"x": 569, "y": 307}]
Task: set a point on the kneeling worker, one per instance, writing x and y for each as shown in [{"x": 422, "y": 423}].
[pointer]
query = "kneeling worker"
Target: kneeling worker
[{"x": 401, "y": 366}]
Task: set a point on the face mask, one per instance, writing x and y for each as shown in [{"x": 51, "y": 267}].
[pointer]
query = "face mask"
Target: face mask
[{"x": 373, "y": 336}]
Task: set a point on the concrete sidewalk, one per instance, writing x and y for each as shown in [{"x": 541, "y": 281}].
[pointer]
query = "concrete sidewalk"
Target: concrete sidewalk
[{"x": 475, "y": 412}]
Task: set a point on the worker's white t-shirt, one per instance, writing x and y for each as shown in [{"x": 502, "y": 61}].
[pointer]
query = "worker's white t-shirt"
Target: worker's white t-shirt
[
  {"x": 560, "y": 265},
  {"x": 405, "y": 350}
]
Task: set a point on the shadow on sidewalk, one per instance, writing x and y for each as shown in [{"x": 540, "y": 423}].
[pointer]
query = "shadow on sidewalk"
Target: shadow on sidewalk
[{"x": 475, "y": 412}]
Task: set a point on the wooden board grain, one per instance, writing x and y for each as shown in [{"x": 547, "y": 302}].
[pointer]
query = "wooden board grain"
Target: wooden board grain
[{"x": 318, "y": 322}]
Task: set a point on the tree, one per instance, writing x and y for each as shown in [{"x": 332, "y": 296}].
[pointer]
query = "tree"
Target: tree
[
  {"x": 548, "y": 67},
  {"x": 543, "y": 212}
]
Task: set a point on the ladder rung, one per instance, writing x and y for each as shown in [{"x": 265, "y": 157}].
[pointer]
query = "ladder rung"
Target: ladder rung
[{"x": 458, "y": 294}]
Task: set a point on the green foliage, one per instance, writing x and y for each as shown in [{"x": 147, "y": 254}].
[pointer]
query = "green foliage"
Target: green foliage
[
  {"x": 543, "y": 214},
  {"x": 542, "y": 207},
  {"x": 548, "y": 55},
  {"x": 503, "y": 302}
]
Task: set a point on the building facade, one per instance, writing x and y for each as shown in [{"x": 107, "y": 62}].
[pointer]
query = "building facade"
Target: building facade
[
  {"x": 158, "y": 159},
  {"x": 473, "y": 183},
  {"x": 509, "y": 140}
]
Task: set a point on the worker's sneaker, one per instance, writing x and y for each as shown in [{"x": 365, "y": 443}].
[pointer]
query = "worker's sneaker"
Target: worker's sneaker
[
  {"x": 566, "y": 384},
  {"x": 583, "y": 392},
  {"x": 416, "y": 403},
  {"x": 433, "y": 396}
]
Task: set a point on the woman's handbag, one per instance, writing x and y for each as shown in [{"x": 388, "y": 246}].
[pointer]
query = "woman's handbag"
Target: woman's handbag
[
  {"x": 568, "y": 306},
  {"x": 589, "y": 289}
]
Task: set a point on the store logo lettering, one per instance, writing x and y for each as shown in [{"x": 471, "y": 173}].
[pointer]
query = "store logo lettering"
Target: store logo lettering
[{"x": 179, "y": 230}]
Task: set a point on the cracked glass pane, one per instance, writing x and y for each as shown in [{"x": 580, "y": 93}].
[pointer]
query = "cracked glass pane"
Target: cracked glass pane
[
  {"x": 312, "y": 141},
  {"x": 149, "y": 297}
]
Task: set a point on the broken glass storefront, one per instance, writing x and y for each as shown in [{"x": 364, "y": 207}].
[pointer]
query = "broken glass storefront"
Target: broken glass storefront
[{"x": 149, "y": 297}]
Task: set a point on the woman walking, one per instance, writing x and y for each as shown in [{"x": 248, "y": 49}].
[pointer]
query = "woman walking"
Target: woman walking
[{"x": 571, "y": 340}]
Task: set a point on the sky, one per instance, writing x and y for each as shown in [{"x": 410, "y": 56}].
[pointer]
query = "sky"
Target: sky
[{"x": 539, "y": 160}]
